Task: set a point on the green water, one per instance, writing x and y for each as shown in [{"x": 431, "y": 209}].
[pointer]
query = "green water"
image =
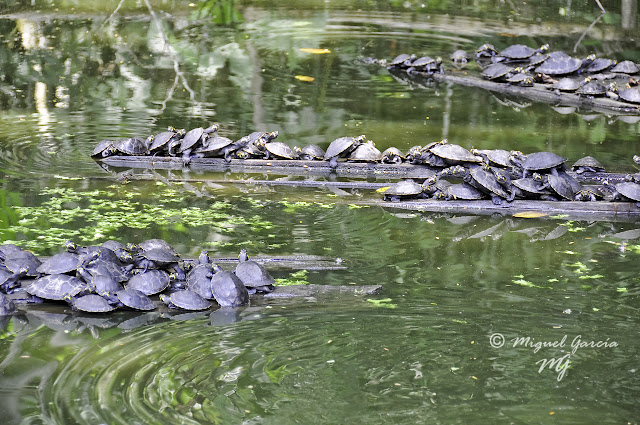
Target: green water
[{"x": 419, "y": 352}]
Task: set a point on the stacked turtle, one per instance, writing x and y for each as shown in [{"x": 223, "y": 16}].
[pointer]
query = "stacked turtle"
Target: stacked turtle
[{"x": 100, "y": 279}]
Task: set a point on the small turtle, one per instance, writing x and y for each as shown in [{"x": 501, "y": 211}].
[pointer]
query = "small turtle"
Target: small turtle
[
  {"x": 7, "y": 306},
  {"x": 193, "y": 139},
  {"x": 9, "y": 280},
  {"x": 540, "y": 162},
  {"x": 366, "y": 152},
  {"x": 624, "y": 191},
  {"x": 158, "y": 258},
  {"x": 427, "y": 65},
  {"x": 435, "y": 188},
  {"x": 257, "y": 139},
  {"x": 599, "y": 65},
  {"x": 592, "y": 88},
  {"x": 103, "y": 149},
  {"x": 459, "y": 58},
  {"x": 518, "y": 52},
  {"x": 150, "y": 282},
  {"x": 520, "y": 79},
  {"x": 528, "y": 188},
  {"x": 185, "y": 300},
  {"x": 102, "y": 284},
  {"x": 537, "y": 59},
  {"x": 228, "y": 290},
  {"x": 91, "y": 303},
  {"x": 65, "y": 262},
  {"x": 213, "y": 147},
  {"x": 392, "y": 155},
  {"x": 587, "y": 163},
  {"x": 150, "y": 244},
  {"x": 404, "y": 189},
  {"x": 7, "y": 249},
  {"x": 454, "y": 154},
  {"x": 558, "y": 183},
  {"x": 626, "y": 67},
  {"x": 134, "y": 299},
  {"x": 493, "y": 157},
  {"x": 19, "y": 259},
  {"x": 463, "y": 191},
  {"x": 57, "y": 287},
  {"x": 161, "y": 141},
  {"x": 486, "y": 182},
  {"x": 310, "y": 153},
  {"x": 589, "y": 194},
  {"x": 133, "y": 146},
  {"x": 253, "y": 275},
  {"x": 631, "y": 95},
  {"x": 342, "y": 148},
  {"x": 279, "y": 150},
  {"x": 486, "y": 50},
  {"x": 402, "y": 61},
  {"x": 568, "y": 84},
  {"x": 497, "y": 71},
  {"x": 561, "y": 65}
]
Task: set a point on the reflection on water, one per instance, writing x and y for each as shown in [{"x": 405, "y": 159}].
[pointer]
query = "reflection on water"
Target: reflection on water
[{"x": 417, "y": 352}]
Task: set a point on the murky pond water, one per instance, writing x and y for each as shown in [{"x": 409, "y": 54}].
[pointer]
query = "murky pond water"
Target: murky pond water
[{"x": 420, "y": 351}]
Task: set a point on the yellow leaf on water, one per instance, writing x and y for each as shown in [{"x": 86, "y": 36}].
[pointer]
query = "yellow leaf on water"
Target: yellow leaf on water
[
  {"x": 315, "y": 51},
  {"x": 530, "y": 214},
  {"x": 382, "y": 189},
  {"x": 304, "y": 78}
]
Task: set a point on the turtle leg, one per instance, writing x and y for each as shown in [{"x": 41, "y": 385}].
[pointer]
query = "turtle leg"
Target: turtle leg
[
  {"x": 186, "y": 157},
  {"x": 496, "y": 199},
  {"x": 333, "y": 162}
]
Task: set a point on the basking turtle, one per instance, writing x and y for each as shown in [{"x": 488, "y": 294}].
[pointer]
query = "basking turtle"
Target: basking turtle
[
  {"x": 279, "y": 150},
  {"x": 15, "y": 261},
  {"x": 341, "y": 148},
  {"x": 65, "y": 262},
  {"x": 57, "y": 287},
  {"x": 185, "y": 300},
  {"x": 563, "y": 64},
  {"x": 599, "y": 65},
  {"x": 592, "y": 88},
  {"x": 519, "y": 52},
  {"x": 587, "y": 163},
  {"x": 528, "y": 188},
  {"x": 199, "y": 277},
  {"x": 590, "y": 194},
  {"x": 626, "y": 67},
  {"x": 97, "y": 252},
  {"x": 392, "y": 155},
  {"x": 193, "y": 139},
  {"x": 104, "y": 268},
  {"x": 7, "y": 249},
  {"x": 253, "y": 275},
  {"x": 427, "y": 65},
  {"x": 540, "y": 162},
  {"x": 150, "y": 244},
  {"x": 134, "y": 299},
  {"x": 158, "y": 258},
  {"x": 404, "y": 189},
  {"x": 414, "y": 155},
  {"x": 101, "y": 284},
  {"x": 401, "y": 61},
  {"x": 453, "y": 154},
  {"x": 520, "y": 79},
  {"x": 228, "y": 290},
  {"x": 631, "y": 95},
  {"x": 459, "y": 58},
  {"x": 435, "y": 188},
  {"x": 558, "y": 183},
  {"x": 91, "y": 303},
  {"x": 133, "y": 146},
  {"x": 486, "y": 182},
  {"x": 624, "y": 191},
  {"x": 213, "y": 147},
  {"x": 463, "y": 191},
  {"x": 103, "y": 149},
  {"x": 310, "y": 153},
  {"x": 568, "y": 84},
  {"x": 256, "y": 139},
  {"x": 493, "y": 157},
  {"x": 9, "y": 280},
  {"x": 161, "y": 141},
  {"x": 366, "y": 152},
  {"x": 498, "y": 71},
  {"x": 150, "y": 282},
  {"x": 486, "y": 50}
]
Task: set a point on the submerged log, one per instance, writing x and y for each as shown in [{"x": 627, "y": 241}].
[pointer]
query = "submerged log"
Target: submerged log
[{"x": 313, "y": 290}]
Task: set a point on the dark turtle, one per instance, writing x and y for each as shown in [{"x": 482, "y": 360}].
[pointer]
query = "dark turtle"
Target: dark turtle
[
  {"x": 213, "y": 147},
  {"x": 541, "y": 162},
  {"x": 310, "y": 153},
  {"x": 15, "y": 261},
  {"x": 135, "y": 299},
  {"x": 161, "y": 141},
  {"x": 560, "y": 65},
  {"x": 366, "y": 152},
  {"x": 150, "y": 282},
  {"x": 528, "y": 188},
  {"x": 113, "y": 245},
  {"x": 7, "y": 249},
  {"x": 342, "y": 147},
  {"x": 95, "y": 252},
  {"x": 228, "y": 290},
  {"x": 631, "y": 95},
  {"x": 463, "y": 191},
  {"x": 454, "y": 154},
  {"x": 518, "y": 52},
  {"x": 103, "y": 149},
  {"x": 150, "y": 244},
  {"x": 497, "y": 71},
  {"x": 392, "y": 155},
  {"x": 435, "y": 188},
  {"x": 486, "y": 182},
  {"x": 65, "y": 262},
  {"x": 589, "y": 194},
  {"x": 626, "y": 67},
  {"x": 254, "y": 275},
  {"x": 520, "y": 79},
  {"x": 134, "y": 146},
  {"x": 537, "y": 59},
  {"x": 559, "y": 183},
  {"x": 404, "y": 189},
  {"x": 91, "y": 303},
  {"x": 193, "y": 139},
  {"x": 9, "y": 280},
  {"x": 199, "y": 280},
  {"x": 7, "y": 306},
  {"x": 257, "y": 139},
  {"x": 185, "y": 300},
  {"x": 599, "y": 65},
  {"x": 587, "y": 163},
  {"x": 493, "y": 157},
  {"x": 57, "y": 287},
  {"x": 158, "y": 258},
  {"x": 279, "y": 150},
  {"x": 103, "y": 268},
  {"x": 624, "y": 191},
  {"x": 486, "y": 50},
  {"x": 592, "y": 88},
  {"x": 459, "y": 58},
  {"x": 426, "y": 64},
  {"x": 568, "y": 84},
  {"x": 402, "y": 61},
  {"x": 102, "y": 284}
]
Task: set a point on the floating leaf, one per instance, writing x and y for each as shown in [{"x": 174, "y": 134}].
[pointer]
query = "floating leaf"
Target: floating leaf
[
  {"x": 305, "y": 78},
  {"x": 384, "y": 302},
  {"x": 530, "y": 214},
  {"x": 315, "y": 51},
  {"x": 621, "y": 289},
  {"x": 383, "y": 189},
  {"x": 557, "y": 216}
]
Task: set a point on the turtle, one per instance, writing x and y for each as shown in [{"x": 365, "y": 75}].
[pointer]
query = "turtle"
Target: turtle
[
  {"x": 101, "y": 284},
  {"x": 520, "y": 79},
  {"x": 536, "y": 59},
  {"x": 112, "y": 245},
  {"x": 402, "y": 61},
  {"x": 213, "y": 147},
  {"x": 528, "y": 188},
  {"x": 99, "y": 252},
  {"x": 486, "y": 182},
  {"x": 568, "y": 84},
  {"x": 104, "y": 149},
  {"x": 587, "y": 163},
  {"x": 150, "y": 282},
  {"x": 519, "y": 52},
  {"x": 65, "y": 262},
  {"x": 454, "y": 154},
  {"x": 7, "y": 307},
  {"x": 310, "y": 152},
  {"x": 631, "y": 95},
  {"x": 599, "y": 65},
  {"x": 199, "y": 280},
  {"x": 503, "y": 177},
  {"x": 624, "y": 191},
  {"x": 193, "y": 139},
  {"x": 499, "y": 157},
  {"x": 8, "y": 249},
  {"x": 257, "y": 139},
  {"x": 19, "y": 259},
  {"x": 253, "y": 275},
  {"x": 91, "y": 303},
  {"x": 562, "y": 64},
  {"x": 486, "y": 50},
  {"x": 57, "y": 287},
  {"x": 159, "y": 258},
  {"x": 404, "y": 189},
  {"x": 392, "y": 155},
  {"x": 228, "y": 290},
  {"x": 559, "y": 183},
  {"x": 342, "y": 147},
  {"x": 133, "y": 146},
  {"x": 9, "y": 280},
  {"x": 134, "y": 299},
  {"x": 589, "y": 194},
  {"x": 497, "y": 71},
  {"x": 150, "y": 244},
  {"x": 626, "y": 67},
  {"x": 592, "y": 88},
  {"x": 459, "y": 58},
  {"x": 254, "y": 150},
  {"x": 160, "y": 142},
  {"x": 366, "y": 152},
  {"x": 279, "y": 150},
  {"x": 540, "y": 162},
  {"x": 185, "y": 300},
  {"x": 435, "y": 188},
  {"x": 463, "y": 191},
  {"x": 426, "y": 64},
  {"x": 415, "y": 155}
]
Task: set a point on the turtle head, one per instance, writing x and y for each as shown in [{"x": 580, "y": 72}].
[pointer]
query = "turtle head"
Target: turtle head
[
  {"x": 212, "y": 128},
  {"x": 204, "y": 257},
  {"x": 272, "y": 135},
  {"x": 242, "y": 257},
  {"x": 544, "y": 48},
  {"x": 216, "y": 268},
  {"x": 359, "y": 139},
  {"x": 537, "y": 177},
  {"x": 297, "y": 150},
  {"x": 132, "y": 247},
  {"x": 70, "y": 246}
]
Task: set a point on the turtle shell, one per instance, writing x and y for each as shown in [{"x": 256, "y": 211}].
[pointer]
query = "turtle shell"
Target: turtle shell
[
  {"x": 132, "y": 146},
  {"x": 57, "y": 287},
  {"x": 626, "y": 67},
  {"x": 135, "y": 299},
  {"x": 498, "y": 157},
  {"x": 342, "y": 146},
  {"x": 542, "y": 161},
  {"x": 162, "y": 257},
  {"x": 599, "y": 65},
  {"x": 629, "y": 190},
  {"x": 487, "y": 181},
  {"x": 19, "y": 259},
  {"x": 406, "y": 187},
  {"x": 366, "y": 152},
  {"x": 150, "y": 282},
  {"x": 254, "y": 275},
  {"x": 486, "y": 50},
  {"x": 150, "y": 244},
  {"x": 92, "y": 303},
  {"x": 106, "y": 268},
  {"x": 517, "y": 51},
  {"x": 592, "y": 88},
  {"x": 402, "y": 60},
  {"x": 521, "y": 79},
  {"x": 191, "y": 139},
  {"x": 228, "y": 290},
  {"x": 103, "y": 149},
  {"x": 587, "y": 163},
  {"x": 537, "y": 59},
  {"x": 561, "y": 186},
  {"x": 454, "y": 154},
  {"x": 589, "y": 193},
  {"x": 568, "y": 84},
  {"x": 185, "y": 300},
  {"x": 7, "y": 306},
  {"x": 199, "y": 280},
  {"x": 630, "y": 95},
  {"x": 463, "y": 191},
  {"x": 160, "y": 140},
  {"x": 63, "y": 262},
  {"x": 529, "y": 186},
  {"x": 459, "y": 56},
  {"x": 102, "y": 284},
  {"x": 8, "y": 248},
  {"x": 112, "y": 245},
  {"x": 422, "y": 61},
  {"x": 435, "y": 189},
  {"x": 280, "y": 150},
  {"x": 213, "y": 145},
  {"x": 392, "y": 155},
  {"x": 559, "y": 65},
  {"x": 496, "y": 71},
  {"x": 312, "y": 152}
]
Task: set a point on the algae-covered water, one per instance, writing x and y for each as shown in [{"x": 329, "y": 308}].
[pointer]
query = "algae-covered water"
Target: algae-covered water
[{"x": 427, "y": 347}]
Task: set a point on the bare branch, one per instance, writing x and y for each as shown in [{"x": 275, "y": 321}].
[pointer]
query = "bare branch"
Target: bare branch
[{"x": 112, "y": 13}]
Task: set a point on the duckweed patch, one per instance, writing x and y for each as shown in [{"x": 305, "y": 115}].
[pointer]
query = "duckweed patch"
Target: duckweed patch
[{"x": 296, "y": 278}]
